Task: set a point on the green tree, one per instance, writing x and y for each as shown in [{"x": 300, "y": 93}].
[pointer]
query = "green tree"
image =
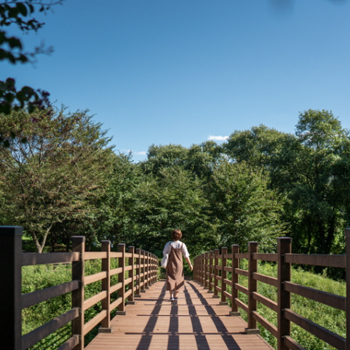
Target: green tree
[
  {"x": 174, "y": 199},
  {"x": 20, "y": 14},
  {"x": 256, "y": 146},
  {"x": 51, "y": 177},
  {"x": 310, "y": 171},
  {"x": 116, "y": 206},
  {"x": 243, "y": 208},
  {"x": 160, "y": 157},
  {"x": 202, "y": 159}
]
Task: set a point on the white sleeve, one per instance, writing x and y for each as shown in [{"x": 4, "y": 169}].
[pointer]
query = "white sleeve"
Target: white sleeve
[
  {"x": 185, "y": 251},
  {"x": 166, "y": 249}
]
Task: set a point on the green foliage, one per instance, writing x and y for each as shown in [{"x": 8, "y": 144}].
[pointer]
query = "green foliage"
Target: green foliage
[
  {"x": 51, "y": 180},
  {"x": 243, "y": 208},
  {"x": 310, "y": 170},
  {"x": 44, "y": 276},
  {"x": 40, "y": 277},
  {"x": 256, "y": 146},
  {"x": 326, "y": 316},
  {"x": 20, "y": 14},
  {"x": 172, "y": 200}
]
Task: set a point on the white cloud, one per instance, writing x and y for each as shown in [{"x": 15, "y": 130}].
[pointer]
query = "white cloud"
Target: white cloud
[
  {"x": 217, "y": 138},
  {"x": 142, "y": 153}
]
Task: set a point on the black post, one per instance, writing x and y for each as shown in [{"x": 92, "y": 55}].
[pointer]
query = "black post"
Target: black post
[
  {"x": 78, "y": 272},
  {"x": 106, "y": 286},
  {"x": 252, "y": 287},
  {"x": 11, "y": 291},
  {"x": 347, "y": 271},
  {"x": 284, "y": 246}
]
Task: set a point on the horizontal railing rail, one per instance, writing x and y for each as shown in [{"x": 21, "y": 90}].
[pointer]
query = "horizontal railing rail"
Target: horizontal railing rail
[
  {"x": 140, "y": 266},
  {"x": 211, "y": 267}
]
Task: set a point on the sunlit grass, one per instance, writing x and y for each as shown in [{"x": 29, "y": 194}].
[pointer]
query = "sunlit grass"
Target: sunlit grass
[
  {"x": 43, "y": 276},
  {"x": 326, "y": 316}
]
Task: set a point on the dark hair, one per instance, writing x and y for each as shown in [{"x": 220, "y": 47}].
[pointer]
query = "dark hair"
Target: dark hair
[{"x": 176, "y": 235}]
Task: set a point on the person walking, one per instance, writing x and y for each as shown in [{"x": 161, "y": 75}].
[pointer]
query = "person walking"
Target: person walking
[{"x": 174, "y": 269}]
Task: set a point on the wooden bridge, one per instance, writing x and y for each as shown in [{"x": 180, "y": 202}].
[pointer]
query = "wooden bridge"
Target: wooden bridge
[
  {"x": 146, "y": 319},
  {"x": 195, "y": 321}
]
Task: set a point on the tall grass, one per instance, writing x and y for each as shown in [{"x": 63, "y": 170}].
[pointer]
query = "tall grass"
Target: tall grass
[
  {"x": 44, "y": 276},
  {"x": 326, "y": 316}
]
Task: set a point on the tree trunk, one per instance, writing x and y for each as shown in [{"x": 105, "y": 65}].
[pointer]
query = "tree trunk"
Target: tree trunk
[{"x": 39, "y": 248}]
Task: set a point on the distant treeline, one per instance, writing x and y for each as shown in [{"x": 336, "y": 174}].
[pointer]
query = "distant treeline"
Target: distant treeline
[{"x": 59, "y": 177}]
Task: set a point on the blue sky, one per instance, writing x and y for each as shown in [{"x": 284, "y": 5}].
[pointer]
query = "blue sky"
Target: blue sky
[{"x": 180, "y": 71}]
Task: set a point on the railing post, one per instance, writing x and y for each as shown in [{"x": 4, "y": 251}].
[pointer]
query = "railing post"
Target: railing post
[
  {"x": 121, "y": 278},
  {"x": 11, "y": 291},
  {"x": 210, "y": 268},
  {"x": 78, "y": 245},
  {"x": 347, "y": 242},
  {"x": 106, "y": 285},
  {"x": 284, "y": 245},
  {"x": 154, "y": 266},
  {"x": 198, "y": 269},
  {"x": 235, "y": 265},
  {"x": 132, "y": 275},
  {"x": 156, "y": 263},
  {"x": 138, "y": 272},
  {"x": 147, "y": 269},
  {"x": 223, "y": 275},
  {"x": 206, "y": 273},
  {"x": 252, "y": 287},
  {"x": 143, "y": 253},
  {"x": 152, "y": 269},
  {"x": 216, "y": 272},
  {"x": 203, "y": 270},
  {"x": 145, "y": 272},
  {"x": 195, "y": 269}
]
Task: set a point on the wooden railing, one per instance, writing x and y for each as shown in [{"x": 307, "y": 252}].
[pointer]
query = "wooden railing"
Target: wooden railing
[
  {"x": 211, "y": 267},
  {"x": 142, "y": 270}
]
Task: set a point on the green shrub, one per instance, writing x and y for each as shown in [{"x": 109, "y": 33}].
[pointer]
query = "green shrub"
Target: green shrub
[
  {"x": 326, "y": 316},
  {"x": 44, "y": 276}
]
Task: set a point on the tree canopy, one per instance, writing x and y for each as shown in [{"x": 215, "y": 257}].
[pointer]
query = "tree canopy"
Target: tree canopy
[{"x": 59, "y": 176}]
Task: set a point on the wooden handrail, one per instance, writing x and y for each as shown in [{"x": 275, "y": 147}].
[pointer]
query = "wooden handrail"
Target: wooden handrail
[
  {"x": 36, "y": 335},
  {"x": 71, "y": 343},
  {"x": 41, "y": 295},
  {"x": 211, "y": 267},
  {"x": 317, "y": 260},
  {"x": 95, "y": 277},
  {"x": 320, "y": 332},
  {"x": 95, "y": 255},
  {"x": 128, "y": 286},
  {"x": 329, "y": 299},
  {"x": 48, "y": 258}
]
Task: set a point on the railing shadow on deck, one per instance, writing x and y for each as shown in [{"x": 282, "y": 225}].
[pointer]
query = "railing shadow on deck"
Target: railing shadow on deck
[
  {"x": 212, "y": 267},
  {"x": 141, "y": 268}
]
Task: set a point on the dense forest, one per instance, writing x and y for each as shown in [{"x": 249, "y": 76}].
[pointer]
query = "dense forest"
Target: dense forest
[{"x": 60, "y": 176}]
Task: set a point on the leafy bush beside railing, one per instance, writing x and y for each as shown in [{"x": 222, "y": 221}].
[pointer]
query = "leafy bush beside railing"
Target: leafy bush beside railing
[
  {"x": 44, "y": 276},
  {"x": 295, "y": 309},
  {"x": 326, "y": 316}
]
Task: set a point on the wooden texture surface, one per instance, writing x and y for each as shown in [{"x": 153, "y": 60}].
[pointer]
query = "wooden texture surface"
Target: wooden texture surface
[{"x": 194, "y": 321}]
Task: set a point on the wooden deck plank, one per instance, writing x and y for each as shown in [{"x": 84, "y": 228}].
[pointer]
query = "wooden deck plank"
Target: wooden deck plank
[{"x": 194, "y": 321}]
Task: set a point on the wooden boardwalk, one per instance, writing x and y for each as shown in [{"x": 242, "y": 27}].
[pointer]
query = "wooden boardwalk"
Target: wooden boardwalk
[{"x": 194, "y": 321}]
